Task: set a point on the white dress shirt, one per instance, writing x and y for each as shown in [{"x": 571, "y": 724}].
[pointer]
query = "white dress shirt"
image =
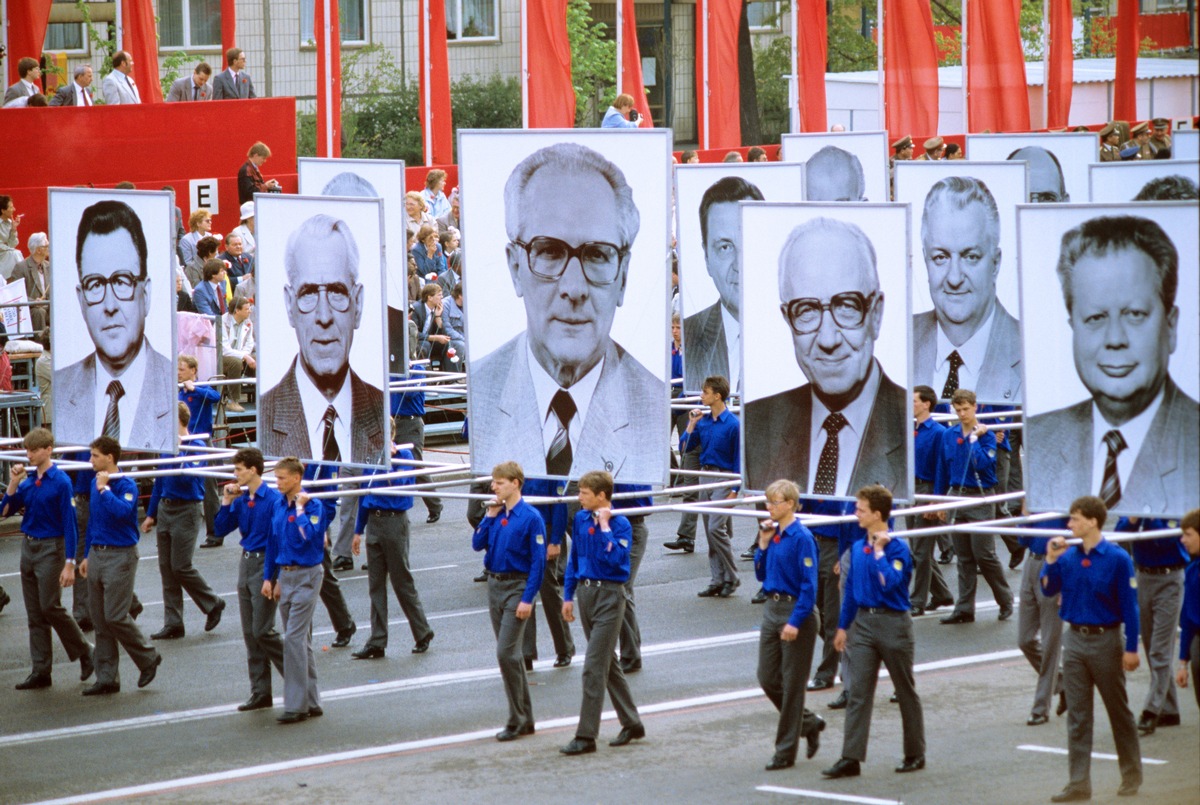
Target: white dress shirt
[
  {"x": 237, "y": 338},
  {"x": 544, "y": 389},
  {"x": 80, "y": 92},
  {"x": 1134, "y": 432},
  {"x": 132, "y": 381},
  {"x": 972, "y": 354},
  {"x": 315, "y": 402},
  {"x": 858, "y": 415}
]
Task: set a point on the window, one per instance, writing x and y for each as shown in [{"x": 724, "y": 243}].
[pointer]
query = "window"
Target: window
[
  {"x": 189, "y": 23},
  {"x": 353, "y": 25},
  {"x": 763, "y": 15},
  {"x": 65, "y": 36},
  {"x": 472, "y": 19}
]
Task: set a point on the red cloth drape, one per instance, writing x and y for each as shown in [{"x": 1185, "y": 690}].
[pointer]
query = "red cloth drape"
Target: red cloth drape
[
  {"x": 997, "y": 94},
  {"x": 1061, "y": 78},
  {"x": 139, "y": 36},
  {"x": 436, "y": 69},
  {"x": 27, "y": 23},
  {"x": 631, "y": 62},
  {"x": 724, "y": 116},
  {"x": 551, "y": 95},
  {"x": 811, "y": 42},
  {"x": 228, "y": 28},
  {"x": 910, "y": 68},
  {"x": 1125, "y": 86},
  {"x": 329, "y": 80}
]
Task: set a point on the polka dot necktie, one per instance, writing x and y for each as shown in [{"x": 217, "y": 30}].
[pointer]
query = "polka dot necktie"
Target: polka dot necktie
[
  {"x": 558, "y": 457},
  {"x": 112, "y": 416},
  {"x": 1110, "y": 487},
  {"x": 827, "y": 464},
  {"x": 952, "y": 379}
]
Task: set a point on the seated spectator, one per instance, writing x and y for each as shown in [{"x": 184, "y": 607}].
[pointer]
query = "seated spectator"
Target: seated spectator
[
  {"x": 237, "y": 348},
  {"x": 183, "y": 295},
  {"x": 448, "y": 240},
  {"x": 690, "y": 158},
  {"x": 10, "y": 255},
  {"x": 733, "y": 156},
  {"x": 245, "y": 229},
  {"x": 431, "y": 334},
  {"x": 449, "y": 219},
  {"x": 428, "y": 253},
  {"x": 245, "y": 288},
  {"x": 206, "y": 249},
  {"x": 415, "y": 280},
  {"x": 239, "y": 262},
  {"x": 250, "y": 179},
  {"x": 209, "y": 296},
  {"x": 199, "y": 225},
  {"x": 35, "y": 270},
  {"x": 953, "y": 151},
  {"x": 756, "y": 154},
  {"x": 416, "y": 215},
  {"x": 43, "y": 369},
  {"x": 452, "y": 323},
  {"x": 434, "y": 194}
]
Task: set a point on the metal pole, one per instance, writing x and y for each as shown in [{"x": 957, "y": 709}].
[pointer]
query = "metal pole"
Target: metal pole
[
  {"x": 794, "y": 90},
  {"x": 524, "y": 65},
  {"x": 620, "y": 48},
  {"x": 966, "y": 93},
  {"x": 880, "y": 62},
  {"x": 1046, "y": 34},
  {"x": 707, "y": 70},
  {"x": 427, "y": 73}
]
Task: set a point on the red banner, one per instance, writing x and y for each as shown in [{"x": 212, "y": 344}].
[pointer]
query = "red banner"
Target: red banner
[
  {"x": 998, "y": 96},
  {"x": 724, "y": 124},
  {"x": 1125, "y": 85},
  {"x": 550, "y": 93},
  {"x": 631, "y": 62},
  {"x": 1061, "y": 78},
  {"x": 27, "y": 23},
  {"x": 139, "y": 36},
  {"x": 811, "y": 42},
  {"x": 329, "y": 79},
  {"x": 437, "y": 127},
  {"x": 910, "y": 68},
  {"x": 228, "y": 28}
]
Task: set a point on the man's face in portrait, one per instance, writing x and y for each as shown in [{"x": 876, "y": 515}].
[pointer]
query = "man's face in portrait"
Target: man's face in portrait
[
  {"x": 832, "y": 175},
  {"x": 324, "y": 304},
  {"x": 113, "y": 296},
  {"x": 1045, "y": 177},
  {"x": 721, "y": 252},
  {"x": 962, "y": 258}
]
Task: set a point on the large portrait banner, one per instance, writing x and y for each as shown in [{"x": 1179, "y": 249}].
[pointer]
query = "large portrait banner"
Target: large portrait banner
[
  {"x": 1058, "y": 163},
  {"x": 1144, "y": 180},
  {"x": 845, "y": 166}
]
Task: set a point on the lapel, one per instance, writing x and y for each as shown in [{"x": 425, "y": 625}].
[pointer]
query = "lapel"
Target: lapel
[
  {"x": 925, "y": 346},
  {"x": 1158, "y": 459},
  {"x": 517, "y": 405},
  {"x": 150, "y": 420},
  {"x": 288, "y": 420},
  {"x": 1001, "y": 369},
  {"x": 365, "y": 424},
  {"x": 601, "y": 441},
  {"x": 79, "y": 397},
  {"x": 1076, "y": 453},
  {"x": 884, "y": 442},
  {"x": 792, "y": 431}
]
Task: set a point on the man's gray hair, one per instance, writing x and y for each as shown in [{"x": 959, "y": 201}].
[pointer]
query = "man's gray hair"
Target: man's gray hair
[
  {"x": 316, "y": 228},
  {"x": 572, "y": 159},
  {"x": 37, "y": 240},
  {"x": 825, "y": 226},
  {"x": 1110, "y": 233},
  {"x": 80, "y": 69},
  {"x": 959, "y": 192},
  {"x": 349, "y": 183},
  {"x": 838, "y": 160}
]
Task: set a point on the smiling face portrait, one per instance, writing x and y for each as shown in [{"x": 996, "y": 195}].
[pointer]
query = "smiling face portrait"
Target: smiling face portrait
[
  {"x": 960, "y": 240},
  {"x": 720, "y": 229},
  {"x": 113, "y": 289}
]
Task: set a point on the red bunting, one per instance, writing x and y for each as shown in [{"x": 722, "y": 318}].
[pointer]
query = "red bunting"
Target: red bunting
[
  {"x": 998, "y": 96},
  {"x": 1124, "y": 101},
  {"x": 910, "y": 68}
]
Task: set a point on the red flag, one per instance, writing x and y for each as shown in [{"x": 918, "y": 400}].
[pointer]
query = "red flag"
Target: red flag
[
  {"x": 228, "y": 27},
  {"x": 329, "y": 78},
  {"x": 436, "y": 121},
  {"x": 997, "y": 94},
  {"x": 27, "y": 23},
  {"x": 811, "y": 42},
  {"x": 550, "y": 95},
  {"x": 910, "y": 68},
  {"x": 139, "y": 36},
  {"x": 1125, "y": 86},
  {"x": 631, "y": 62},
  {"x": 724, "y": 112},
  {"x": 1061, "y": 76}
]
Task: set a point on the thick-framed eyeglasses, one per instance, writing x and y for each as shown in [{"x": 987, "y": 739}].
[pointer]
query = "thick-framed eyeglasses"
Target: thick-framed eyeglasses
[
  {"x": 849, "y": 311},
  {"x": 336, "y": 294},
  {"x": 122, "y": 283},
  {"x": 548, "y": 258},
  {"x": 1046, "y": 197}
]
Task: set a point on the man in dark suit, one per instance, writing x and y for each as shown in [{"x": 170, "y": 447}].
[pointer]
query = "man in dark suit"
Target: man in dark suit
[
  {"x": 322, "y": 409},
  {"x": 234, "y": 82},
  {"x": 29, "y": 72},
  {"x": 78, "y": 92},
  {"x": 194, "y": 87},
  {"x": 712, "y": 337},
  {"x": 1134, "y": 442},
  {"x": 847, "y": 426},
  {"x": 240, "y": 263},
  {"x": 968, "y": 340},
  {"x": 35, "y": 270}
]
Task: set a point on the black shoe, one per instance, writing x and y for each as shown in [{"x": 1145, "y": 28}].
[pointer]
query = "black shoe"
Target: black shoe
[
  {"x": 946, "y": 558},
  {"x": 85, "y": 624},
  {"x": 1017, "y": 557},
  {"x": 512, "y": 733},
  {"x": 342, "y": 639},
  {"x": 529, "y": 663},
  {"x": 818, "y": 683},
  {"x": 149, "y": 672},
  {"x": 845, "y": 767},
  {"x": 168, "y": 633},
  {"x": 681, "y": 544},
  {"x": 423, "y": 644},
  {"x": 631, "y": 666},
  {"x": 1128, "y": 789},
  {"x": 364, "y": 566},
  {"x": 34, "y": 682},
  {"x": 840, "y": 702},
  {"x": 711, "y": 591},
  {"x": 1037, "y": 721},
  {"x": 214, "y": 616},
  {"x": 368, "y": 652},
  {"x": 814, "y": 739},
  {"x": 136, "y": 608},
  {"x": 627, "y": 734},
  {"x": 747, "y": 554},
  {"x": 780, "y": 762},
  {"x": 729, "y": 587},
  {"x": 911, "y": 764},
  {"x": 1062, "y": 704},
  {"x": 481, "y": 577},
  {"x": 917, "y": 612},
  {"x": 1006, "y": 613},
  {"x": 315, "y": 712},
  {"x": 433, "y": 518},
  {"x": 760, "y": 597},
  {"x": 939, "y": 603},
  {"x": 958, "y": 617},
  {"x": 87, "y": 665},
  {"x": 102, "y": 689},
  {"x": 563, "y": 660},
  {"x": 1147, "y": 724},
  {"x": 259, "y": 701},
  {"x": 1168, "y": 720},
  {"x": 895, "y": 699},
  {"x": 1070, "y": 794},
  {"x": 343, "y": 563},
  {"x": 292, "y": 718},
  {"x": 5, "y": 599},
  {"x": 212, "y": 542},
  {"x": 579, "y": 746}
]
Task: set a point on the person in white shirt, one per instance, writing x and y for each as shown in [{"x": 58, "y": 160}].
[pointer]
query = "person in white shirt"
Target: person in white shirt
[
  {"x": 78, "y": 92},
  {"x": 245, "y": 229},
  {"x": 237, "y": 348},
  {"x": 119, "y": 86}
]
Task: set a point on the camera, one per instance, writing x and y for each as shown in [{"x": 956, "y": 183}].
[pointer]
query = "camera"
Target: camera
[{"x": 633, "y": 114}]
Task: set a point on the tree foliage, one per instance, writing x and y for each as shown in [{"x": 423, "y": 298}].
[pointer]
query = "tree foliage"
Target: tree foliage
[{"x": 593, "y": 63}]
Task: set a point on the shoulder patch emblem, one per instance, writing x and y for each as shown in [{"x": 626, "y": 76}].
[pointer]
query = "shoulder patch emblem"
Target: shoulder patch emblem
[
  {"x": 314, "y": 519},
  {"x": 1133, "y": 582},
  {"x": 808, "y": 561},
  {"x": 898, "y": 564},
  {"x": 129, "y": 496},
  {"x": 624, "y": 543},
  {"x": 72, "y": 501},
  {"x": 540, "y": 539}
]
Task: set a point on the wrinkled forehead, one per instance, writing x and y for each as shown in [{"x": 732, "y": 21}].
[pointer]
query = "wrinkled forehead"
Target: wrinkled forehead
[
  {"x": 820, "y": 264},
  {"x": 321, "y": 259}
]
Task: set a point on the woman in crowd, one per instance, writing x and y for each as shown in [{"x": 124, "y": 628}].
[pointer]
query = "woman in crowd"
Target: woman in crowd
[
  {"x": 416, "y": 213},
  {"x": 434, "y": 194},
  {"x": 10, "y": 254},
  {"x": 199, "y": 224},
  {"x": 428, "y": 254}
]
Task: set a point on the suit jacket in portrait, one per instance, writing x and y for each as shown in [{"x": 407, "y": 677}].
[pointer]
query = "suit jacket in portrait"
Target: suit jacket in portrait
[
  {"x": 1165, "y": 474},
  {"x": 181, "y": 90},
  {"x": 65, "y": 96},
  {"x": 778, "y": 439},
  {"x": 223, "y": 88},
  {"x": 155, "y": 424},
  {"x": 283, "y": 428},
  {"x": 625, "y": 432},
  {"x": 1000, "y": 375},
  {"x": 704, "y": 352},
  {"x": 116, "y": 89}
]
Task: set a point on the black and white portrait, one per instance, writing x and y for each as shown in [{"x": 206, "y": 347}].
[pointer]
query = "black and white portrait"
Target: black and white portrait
[
  {"x": 965, "y": 329},
  {"x": 567, "y": 301},
  {"x": 1144, "y": 180},
  {"x": 1112, "y": 343},
  {"x": 826, "y": 347},
  {"x": 114, "y": 317},
  {"x": 846, "y": 166},
  {"x": 372, "y": 178},
  {"x": 1058, "y": 163},
  {"x": 708, "y": 241},
  {"x": 321, "y": 386}
]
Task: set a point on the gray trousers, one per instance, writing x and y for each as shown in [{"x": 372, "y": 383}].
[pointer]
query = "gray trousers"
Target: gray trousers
[
  {"x": 977, "y": 556},
  {"x": 829, "y": 602},
  {"x": 631, "y": 634},
  {"x": 387, "y": 555},
  {"x": 1038, "y": 615},
  {"x": 885, "y": 637},
  {"x": 343, "y": 540},
  {"x": 783, "y": 673},
  {"x": 927, "y": 574},
  {"x": 1159, "y": 600},
  {"x": 689, "y": 461},
  {"x": 79, "y": 592},
  {"x": 551, "y": 594},
  {"x": 42, "y": 563},
  {"x": 1094, "y": 661},
  {"x": 331, "y": 595},
  {"x": 602, "y": 611},
  {"x": 179, "y": 524},
  {"x": 503, "y": 598},
  {"x": 718, "y": 531},
  {"x": 111, "y": 575},
  {"x": 264, "y": 646},
  {"x": 844, "y": 567},
  {"x": 1194, "y": 650},
  {"x": 412, "y": 429},
  {"x": 298, "y": 590}
]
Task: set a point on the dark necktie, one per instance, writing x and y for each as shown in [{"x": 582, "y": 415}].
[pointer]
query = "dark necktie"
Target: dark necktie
[
  {"x": 1110, "y": 487},
  {"x": 558, "y": 457},
  {"x": 827, "y": 464},
  {"x": 195, "y": 90},
  {"x": 87, "y": 99},
  {"x": 112, "y": 417},
  {"x": 221, "y": 301},
  {"x": 952, "y": 378},
  {"x": 329, "y": 446}
]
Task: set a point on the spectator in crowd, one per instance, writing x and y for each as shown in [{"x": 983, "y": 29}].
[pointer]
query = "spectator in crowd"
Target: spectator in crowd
[
  {"x": 118, "y": 86},
  {"x": 194, "y": 87},
  {"x": 837, "y": 128},
  {"x": 209, "y": 296},
  {"x": 449, "y": 219},
  {"x": 415, "y": 281},
  {"x": 902, "y": 149},
  {"x": 935, "y": 150},
  {"x": 250, "y": 179},
  {"x": 451, "y": 276},
  {"x": 756, "y": 154},
  {"x": 428, "y": 253},
  {"x": 239, "y": 262},
  {"x": 233, "y": 82},
  {"x": 416, "y": 213},
  {"x": 430, "y": 328},
  {"x": 205, "y": 250},
  {"x": 1110, "y": 143},
  {"x": 434, "y": 193},
  {"x": 689, "y": 158},
  {"x": 43, "y": 369},
  {"x": 78, "y": 92},
  {"x": 1160, "y": 141},
  {"x": 10, "y": 255},
  {"x": 1139, "y": 147},
  {"x": 621, "y": 115},
  {"x": 35, "y": 270},
  {"x": 177, "y": 230},
  {"x": 183, "y": 299},
  {"x": 199, "y": 225},
  {"x": 953, "y": 151},
  {"x": 245, "y": 229},
  {"x": 29, "y": 72},
  {"x": 733, "y": 156},
  {"x": 237, "y": 348},
  {"x": 452, "y": 323}
]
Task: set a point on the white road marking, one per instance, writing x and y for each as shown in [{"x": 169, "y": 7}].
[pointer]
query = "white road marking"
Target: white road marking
[
  {"x": 804, "y": 792},
  {"x": 1054, "y": 750}
]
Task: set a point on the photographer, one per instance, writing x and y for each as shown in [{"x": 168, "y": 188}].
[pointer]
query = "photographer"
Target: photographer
[{"x": 621, "y": 115}]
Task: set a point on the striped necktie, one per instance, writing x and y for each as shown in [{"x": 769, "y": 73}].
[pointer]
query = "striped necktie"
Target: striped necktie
[
  {"x": 112, "y": 416},
  {"x": 558, "y": 457},
  {"x": 1110, "y": 487}
]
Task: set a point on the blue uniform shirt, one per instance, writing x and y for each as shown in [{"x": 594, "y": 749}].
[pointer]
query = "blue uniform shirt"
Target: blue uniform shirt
[
  {"x": 409, "y": 403},
  {"x": 596, "y": 553},
  {"x": 176, "y": 487},
  {"x": 961, "y": 463},
  {"x": 789, "y": 566},
  {"x": 1189, "y": 616},
  {"x": 1162, "y": 552},
  {"x": 49, "y": 504},
  {"x": 718, "y": 439},
  {"x": 844, "y": 533},
  {"x": 927, "y": 439},
  {"x": 394, "y": 503},
  {"x": 1099, "y": 593},
  {"x": 1038, "y": 545},
  {"x": 555, "y": 516},
  {"x": 250, "y": 515},
  {"x": 200, "y": 402},
  {"x": 632, "y": 503},
  {"x": 113, "y": 515},
  {"x": 881, "y": 582},
  {"x": 676, "y": 367},
  {"x": 515, "y": 542},
  {"x": 295, "y": 539}
]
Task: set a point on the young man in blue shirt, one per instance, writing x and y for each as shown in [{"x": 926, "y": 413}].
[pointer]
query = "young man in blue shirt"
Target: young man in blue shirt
[
  {"x": 720, "y": 450},
  {"x": 927, "y": 437},
  {"x": 198, "y": 398},
  {"x": 1189, "y": 615}
]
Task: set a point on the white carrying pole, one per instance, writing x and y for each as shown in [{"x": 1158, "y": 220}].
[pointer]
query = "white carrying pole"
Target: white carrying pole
[
  {"x": 879, "y": 61},
  {"x": 524, "y": 65},
  {"x": 707, "y": 71},
  {"x": 966, "y": 94}
]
